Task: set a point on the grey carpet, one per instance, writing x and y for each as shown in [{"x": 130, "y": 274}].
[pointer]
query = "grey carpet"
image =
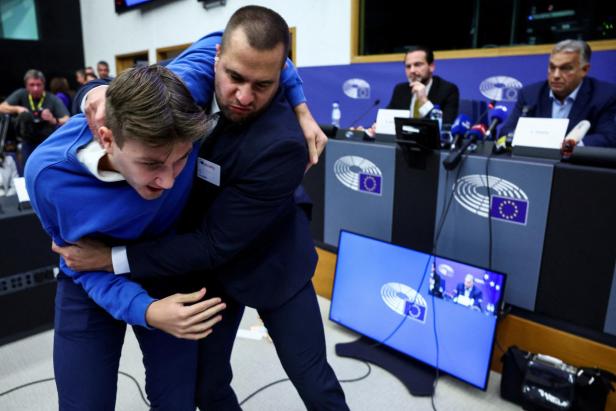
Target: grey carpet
[{"x": 255, "y": 364}]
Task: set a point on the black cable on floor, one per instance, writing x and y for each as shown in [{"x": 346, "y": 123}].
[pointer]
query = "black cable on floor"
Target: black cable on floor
[
  {"x": 363, "y": 377},
  {"x": 19, "y": 387},
  {"x": 263, "y": 388},
  {"x": 138, "y": 386}
]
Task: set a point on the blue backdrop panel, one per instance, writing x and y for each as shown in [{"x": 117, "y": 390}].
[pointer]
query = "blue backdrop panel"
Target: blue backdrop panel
[
  {"x": 359, "y": 189},
  {"x": 357, "y": 86},
  {"x": 523, "y": 190}
]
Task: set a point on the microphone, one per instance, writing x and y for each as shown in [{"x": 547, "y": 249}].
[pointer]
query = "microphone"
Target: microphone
[
  {"x": 362, "y": 115},
  {"x": 459, "y": 128},
  {"x": 476, "y": 132},
  {"x": 576, "y": 135},
  {"x": 578, "y": 132},
  {"x": 497, "y": 116},
  {"x": 483, "y": 115}
]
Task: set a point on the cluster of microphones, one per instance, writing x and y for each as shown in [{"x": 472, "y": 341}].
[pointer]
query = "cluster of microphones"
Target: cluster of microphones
[{"x": 464, "y": 135}]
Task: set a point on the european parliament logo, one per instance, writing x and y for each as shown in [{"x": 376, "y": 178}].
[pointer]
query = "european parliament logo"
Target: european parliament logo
[
  {"x": 356, "y": 88},
  {"x": 500, "y": 88},
  {"x": 405, "y": 301},
  {"x": 507, "y": 201},
  {"x": 509, "y": 209},
  {"x": 369, "y": 183},
  {"x": 359, "y": 174}
]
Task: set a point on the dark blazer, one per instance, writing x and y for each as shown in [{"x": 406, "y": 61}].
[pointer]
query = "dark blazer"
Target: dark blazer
[
  {"x": 249, "y": 233},
  {"x": 475, "y": 294},
  {"x": 595, "y": 102},
  {"x": 442, "y": 92}
]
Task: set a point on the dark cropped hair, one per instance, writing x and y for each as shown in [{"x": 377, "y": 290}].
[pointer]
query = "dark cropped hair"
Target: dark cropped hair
[
  {"x": 425, "y": 49},
  {"x": 264, "y": 29},
  {"x": 104, "y": 63},
  {"x": 35, "y": 74},
  {"x": 151, "y": 105}
]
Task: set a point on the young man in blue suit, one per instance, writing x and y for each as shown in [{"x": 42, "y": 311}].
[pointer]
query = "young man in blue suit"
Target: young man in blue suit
[
  {"x": 129, "y": 184},
  {"x": 570, "y": 93},
  {"x": 245, "y": 232}
]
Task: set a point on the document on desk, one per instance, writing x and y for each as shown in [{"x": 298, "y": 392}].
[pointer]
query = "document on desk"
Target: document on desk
[
  {"x": 540, "y": 132},
  {"x": 385, "y": 120}
]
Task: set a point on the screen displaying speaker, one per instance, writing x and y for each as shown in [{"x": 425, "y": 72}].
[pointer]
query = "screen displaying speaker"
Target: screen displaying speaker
[{"x": 436, "y": 310}]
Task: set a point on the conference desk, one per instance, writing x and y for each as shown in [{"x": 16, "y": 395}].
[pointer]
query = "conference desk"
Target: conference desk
[
  {"x": 550, "y": 226},
  {"x": 27, "y": 283}
]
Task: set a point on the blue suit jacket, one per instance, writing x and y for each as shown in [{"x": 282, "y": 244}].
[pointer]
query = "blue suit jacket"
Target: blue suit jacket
[
  {"x": 249, "y": 233},
  {"x": 595, "y": 102}
]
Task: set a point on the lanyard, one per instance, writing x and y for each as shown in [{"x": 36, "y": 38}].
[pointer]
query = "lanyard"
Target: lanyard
[{"x": 39, "y": 105}]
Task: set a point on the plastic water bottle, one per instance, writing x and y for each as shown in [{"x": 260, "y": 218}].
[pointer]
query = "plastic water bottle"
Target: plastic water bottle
[
  {"x": 437, "y": 114},
  {"x": 336, "y": 114}
]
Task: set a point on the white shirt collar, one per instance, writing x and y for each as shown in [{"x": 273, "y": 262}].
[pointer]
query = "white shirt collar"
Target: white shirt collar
[{"x": 90, "y": 156}]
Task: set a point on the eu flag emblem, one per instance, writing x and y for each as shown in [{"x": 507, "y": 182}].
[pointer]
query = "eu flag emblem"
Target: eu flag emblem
[
  {"x": 369, "y": 183},
  {"x": 513, "y": 210},
  {"x": 415, "y": 311}
]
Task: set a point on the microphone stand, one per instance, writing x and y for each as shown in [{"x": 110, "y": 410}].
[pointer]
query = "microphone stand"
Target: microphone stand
[{"x": 362, "y": 115}]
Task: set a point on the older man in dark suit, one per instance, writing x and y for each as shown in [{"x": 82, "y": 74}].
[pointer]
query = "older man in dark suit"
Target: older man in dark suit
[
  {"x": 570, "y": 93},
  {"x": 467, "y": 293}
]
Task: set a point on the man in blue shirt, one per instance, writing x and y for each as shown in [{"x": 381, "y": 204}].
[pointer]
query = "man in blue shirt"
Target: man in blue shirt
[
  {"x": 570, "y": 93},
  {"x": 131, "y": 183}
]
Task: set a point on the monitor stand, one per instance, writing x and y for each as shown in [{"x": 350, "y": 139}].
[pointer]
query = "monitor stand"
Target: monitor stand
[{"x": 415, "y": 375}]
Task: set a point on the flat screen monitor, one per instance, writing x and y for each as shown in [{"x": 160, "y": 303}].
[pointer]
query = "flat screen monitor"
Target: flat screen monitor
[
  {"x": 409, "y": 301},
  {"x": 420, "y": 132}
]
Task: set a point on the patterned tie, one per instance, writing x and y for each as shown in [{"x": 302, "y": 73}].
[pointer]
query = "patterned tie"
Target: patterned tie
[{"x": 416, "y": 110}]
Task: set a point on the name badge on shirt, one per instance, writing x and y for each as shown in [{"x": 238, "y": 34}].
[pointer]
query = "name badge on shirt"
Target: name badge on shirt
[{"x": 208, "y": 171}]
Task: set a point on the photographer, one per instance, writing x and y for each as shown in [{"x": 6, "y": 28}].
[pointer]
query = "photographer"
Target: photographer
[{"x": 37, "y": 113}]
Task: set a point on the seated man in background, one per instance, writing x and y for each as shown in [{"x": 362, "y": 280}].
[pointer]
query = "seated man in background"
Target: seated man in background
[
  {"x": 570, "y": 93},
  {"x": 467, "y": 293},
  {"x": 38, "y": 113},
  {"x": 424, "y": 90},
  {"x": 103, "y": 69}
]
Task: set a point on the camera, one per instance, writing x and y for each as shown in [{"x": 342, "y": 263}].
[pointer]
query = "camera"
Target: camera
[{"x": 37, "y": 118}]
